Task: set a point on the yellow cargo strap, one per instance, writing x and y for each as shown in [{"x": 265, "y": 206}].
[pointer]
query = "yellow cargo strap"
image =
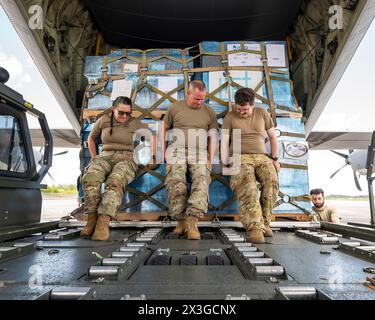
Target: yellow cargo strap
[
  {"x": 293, "y": 166},
  {"x": 287, "y": 134},
  {"x": 104, "y": 69},
  {"x": 268, "y": 83},
  {"x": 185, "y": 70}
]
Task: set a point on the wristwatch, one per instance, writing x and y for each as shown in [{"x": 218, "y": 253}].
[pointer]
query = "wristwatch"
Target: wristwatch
[{"x": 274, "y": 158}]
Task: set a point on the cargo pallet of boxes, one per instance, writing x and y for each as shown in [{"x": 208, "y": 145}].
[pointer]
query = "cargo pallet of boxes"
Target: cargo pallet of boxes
[{"x": 156, "y": 78}]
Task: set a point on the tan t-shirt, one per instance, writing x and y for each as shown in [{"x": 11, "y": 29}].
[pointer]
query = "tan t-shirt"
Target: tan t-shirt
[
  {"x": 122, "y": 133},
  {"x": 180, "y": 116},
  {"x": 327, "y": 215},
  {"x": 253, "y": 129}
]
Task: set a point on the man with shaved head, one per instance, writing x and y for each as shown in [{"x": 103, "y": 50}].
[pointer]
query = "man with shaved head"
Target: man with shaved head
[{"x": 194, "y": 128}]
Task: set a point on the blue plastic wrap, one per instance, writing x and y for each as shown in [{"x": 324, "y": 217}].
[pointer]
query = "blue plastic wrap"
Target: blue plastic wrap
[
  {"x": 293, "y": 151},
  {"x": 282, "y": 93},
  {"x": 93, "y": 64},
  {"x": 146, "y": 97}
]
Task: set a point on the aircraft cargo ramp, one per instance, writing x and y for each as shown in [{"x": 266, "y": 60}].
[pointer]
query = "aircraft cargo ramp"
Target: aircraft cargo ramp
[{"x": 307, "y": 262}]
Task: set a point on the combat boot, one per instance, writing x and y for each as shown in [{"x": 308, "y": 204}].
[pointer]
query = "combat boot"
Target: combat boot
[
  {"x": 256, "y": 236},
  {"x": 180, "y": 228},
  {"x": 88, "y": 230},
  {"x": 268, "y": 232},
  {"x": 102, "y": 228},
  {"x": 192, "y": 228}
]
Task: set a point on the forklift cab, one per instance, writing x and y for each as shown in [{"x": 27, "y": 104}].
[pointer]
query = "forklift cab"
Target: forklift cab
[{"x": 20, "y": 176}]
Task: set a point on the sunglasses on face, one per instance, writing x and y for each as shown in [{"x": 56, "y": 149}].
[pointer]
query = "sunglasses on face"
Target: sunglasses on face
[{"x": 123, "y": 113}]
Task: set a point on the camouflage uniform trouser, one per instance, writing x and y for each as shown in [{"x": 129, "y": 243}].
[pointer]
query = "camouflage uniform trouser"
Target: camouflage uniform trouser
[
  {"x": 256, "y": 213},
  {"x": 197, "y": 203},
  {"x": 115, "y": 169}
]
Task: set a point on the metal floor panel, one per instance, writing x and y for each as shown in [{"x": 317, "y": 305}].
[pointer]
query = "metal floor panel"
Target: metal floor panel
[
  {"x": 348, "y": 292},
  {"x": 301, "y": 258},
  {"x": 59, "y": 268},
  {"x": 305, "y": 263},
  {"x": 77, "y": 243},
  {"x": 189, "y": 245},
  {"x": 183, "y": 290},
  {"x": 22, "y": 291},
  {"x": 188, "y": 274}
]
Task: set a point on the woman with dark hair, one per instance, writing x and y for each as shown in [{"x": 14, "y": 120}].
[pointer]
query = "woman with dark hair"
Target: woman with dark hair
[{"x": 114, "y": 166}]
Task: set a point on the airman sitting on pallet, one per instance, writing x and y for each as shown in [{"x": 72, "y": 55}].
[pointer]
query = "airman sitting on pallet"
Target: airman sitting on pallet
[
  {"x": 254, "y": 165},
  {"x": 191, "y": 120},
  {"x": 115, "y": 167}
]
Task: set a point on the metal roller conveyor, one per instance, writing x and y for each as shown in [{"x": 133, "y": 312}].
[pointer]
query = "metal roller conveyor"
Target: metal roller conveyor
[
  {"x": 136, "y": 244},
  {"x": 261, "y": 261},
  {"x": 236, "y": 239},
  {"x": 330, "y": 239},
  {"x": 52, "y": 236},
  {"x": 241, "y": 245},
  {"x": 258, "y": 254},
  {"x": 367, "y": 248},
  {"x": 6, "y": 249},
  {"x": 114, "y": 261},
  {"x": 129, "y": 249},
  {"x": 364, "y": 251},
  {"x": 18, "y": 249},
  {"x": 269, "y": 270},
  {"x": 119, "y": 254},
  {"x": 104, "y": 271},
  {"x": 23, "y": 244},
  {"x": 231, "y": 235},
  {"x": 148, "y": 235},
  {"x": 351, "y": 244},
  {"x": 154, "y": 232},
  {"x": 317, "y": 237},
  {"x": 62, "y": 235},
  {"x": 247, "y": 249},
  {"x": 303, "y": 231},
  {"x": 144, "y": 239},
  {"x": 68, "y": 293},
  {"x": 298, "y": 293}
]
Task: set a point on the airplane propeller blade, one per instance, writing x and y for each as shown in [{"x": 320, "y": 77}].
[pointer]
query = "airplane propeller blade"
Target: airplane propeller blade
[
  {"x": 49, "y": 175},
  {"x": 357, "y": 182},
  {"x": 345, "y": 156},
  {"x": 61, "y": 153},
  {"x": 338, "y": 170}
]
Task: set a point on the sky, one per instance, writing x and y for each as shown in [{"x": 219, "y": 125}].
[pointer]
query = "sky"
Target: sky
[{"x": 350, "y": 108}]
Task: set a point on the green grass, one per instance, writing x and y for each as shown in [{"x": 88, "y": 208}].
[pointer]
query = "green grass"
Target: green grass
[
  {"x": 61, "y": 189},
  {"x": 347, "y": 198}
]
